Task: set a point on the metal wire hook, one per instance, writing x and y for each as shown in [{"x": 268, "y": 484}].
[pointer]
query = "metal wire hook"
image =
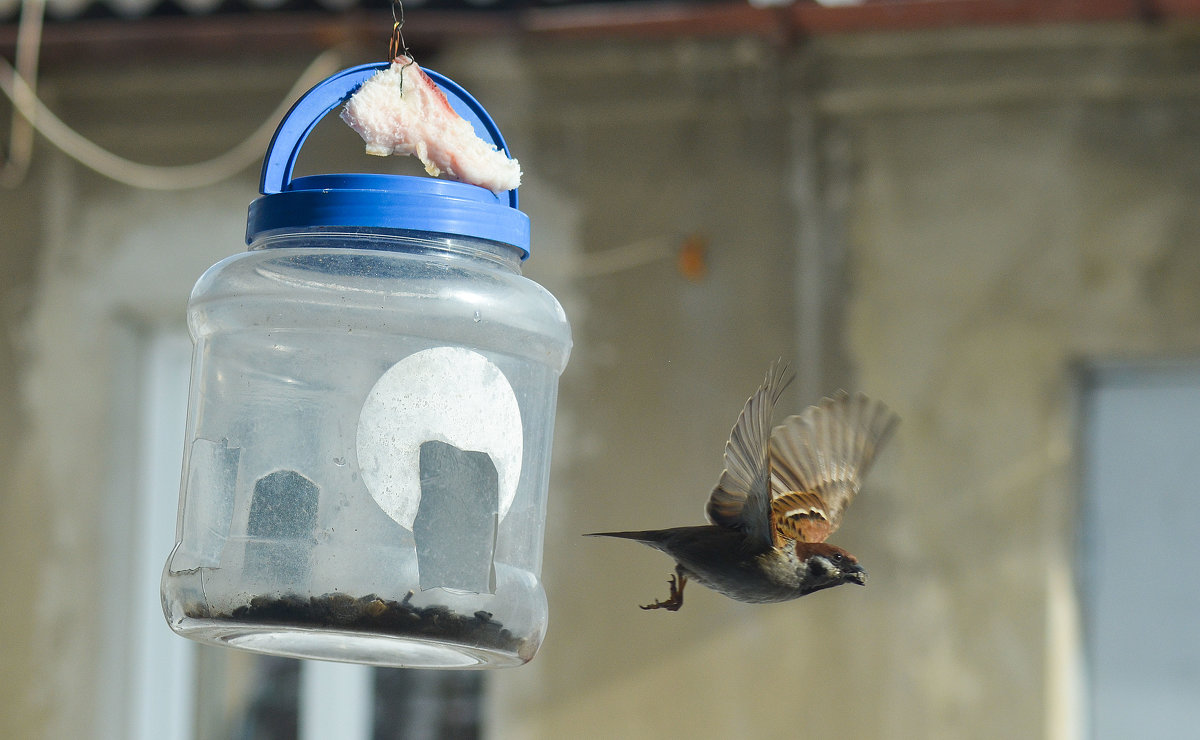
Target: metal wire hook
[{"x": 397, "y": 46}]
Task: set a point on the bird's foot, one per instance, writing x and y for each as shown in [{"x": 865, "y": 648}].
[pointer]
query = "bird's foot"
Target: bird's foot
[{"x": 675, "y": 599}]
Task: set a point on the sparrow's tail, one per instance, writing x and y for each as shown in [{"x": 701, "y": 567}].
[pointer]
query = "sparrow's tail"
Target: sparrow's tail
[
  {"x": 648, "y": 536},
  {"x": 675, "y": 540}
]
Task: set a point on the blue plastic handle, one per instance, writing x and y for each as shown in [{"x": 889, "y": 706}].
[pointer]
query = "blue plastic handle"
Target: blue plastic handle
[{"x": 333, "y": 91}]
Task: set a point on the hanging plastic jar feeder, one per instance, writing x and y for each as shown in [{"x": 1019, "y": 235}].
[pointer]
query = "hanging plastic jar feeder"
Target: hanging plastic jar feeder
[{"x": 370, "y": 419}]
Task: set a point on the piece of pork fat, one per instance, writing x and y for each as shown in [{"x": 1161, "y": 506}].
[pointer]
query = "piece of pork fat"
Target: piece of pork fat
[{"x": 399, "y": 110}]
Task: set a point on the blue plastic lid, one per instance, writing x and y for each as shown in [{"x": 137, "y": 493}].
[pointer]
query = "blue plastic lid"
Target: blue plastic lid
[{"x": 357, "y": 201}]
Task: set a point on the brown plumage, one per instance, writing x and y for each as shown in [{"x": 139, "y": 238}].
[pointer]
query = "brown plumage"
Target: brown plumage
[{"x": 782, "y": 494}]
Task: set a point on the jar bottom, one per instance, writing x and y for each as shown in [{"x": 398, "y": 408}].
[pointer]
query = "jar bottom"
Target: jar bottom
[{"x": 323, "y": 643}]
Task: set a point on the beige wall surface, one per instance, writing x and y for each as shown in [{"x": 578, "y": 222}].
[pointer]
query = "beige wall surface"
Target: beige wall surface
[{"x": 952, "y": 222}]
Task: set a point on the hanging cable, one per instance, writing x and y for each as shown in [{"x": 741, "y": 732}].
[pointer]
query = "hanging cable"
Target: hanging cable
[
  {"x": 20, "y": 138},
  {"x": 21, "y": 91}
]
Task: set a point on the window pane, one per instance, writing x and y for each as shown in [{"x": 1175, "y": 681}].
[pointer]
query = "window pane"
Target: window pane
[
  {"x": 415, "y": 705},
  {"x": 1142, "y": 514}
]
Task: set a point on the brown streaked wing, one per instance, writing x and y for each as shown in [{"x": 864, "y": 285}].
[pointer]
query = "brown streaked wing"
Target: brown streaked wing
[
  {"x": 741, "y": 499},
  {"x": 826, "y": 451},
  {"x": 799, "y": 516}
]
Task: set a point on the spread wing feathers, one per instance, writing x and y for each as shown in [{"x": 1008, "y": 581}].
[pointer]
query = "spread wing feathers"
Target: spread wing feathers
[
  {"x": 818, "y": 461},
  {"x": 742, "y": 497}
]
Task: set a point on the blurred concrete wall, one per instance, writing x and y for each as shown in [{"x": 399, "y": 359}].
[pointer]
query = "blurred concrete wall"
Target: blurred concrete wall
[{"x": 948, "y": 221}]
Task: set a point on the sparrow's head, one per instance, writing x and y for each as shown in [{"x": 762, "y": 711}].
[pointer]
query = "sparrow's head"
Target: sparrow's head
[{"x": 826, "y": 566}]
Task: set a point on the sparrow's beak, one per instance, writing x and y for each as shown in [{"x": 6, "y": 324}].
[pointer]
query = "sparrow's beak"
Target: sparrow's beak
[{"x": 855, "y": 574}]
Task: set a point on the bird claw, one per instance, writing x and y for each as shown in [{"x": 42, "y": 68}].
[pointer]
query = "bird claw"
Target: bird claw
[{"x": 675, "y": 598}]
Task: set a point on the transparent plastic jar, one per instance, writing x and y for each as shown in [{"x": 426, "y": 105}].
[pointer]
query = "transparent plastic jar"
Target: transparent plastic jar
[{"x": 370, "y": 422}]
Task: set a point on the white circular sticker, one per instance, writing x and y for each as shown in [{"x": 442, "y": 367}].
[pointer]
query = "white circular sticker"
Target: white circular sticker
[{"x": 447, "y": 394}]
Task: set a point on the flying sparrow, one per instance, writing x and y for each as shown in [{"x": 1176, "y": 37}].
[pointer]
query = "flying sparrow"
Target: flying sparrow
[{"x": 781, "y": 495}]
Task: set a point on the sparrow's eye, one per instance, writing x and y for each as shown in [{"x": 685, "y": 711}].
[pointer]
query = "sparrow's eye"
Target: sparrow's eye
[{"x": 837, "y": 558}]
